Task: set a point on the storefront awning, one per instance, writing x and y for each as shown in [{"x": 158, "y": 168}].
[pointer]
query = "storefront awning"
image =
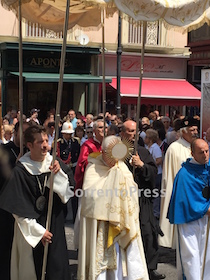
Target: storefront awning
[
  {"x": 67, "y": 78},
  {"x": 158, "y": 92}
]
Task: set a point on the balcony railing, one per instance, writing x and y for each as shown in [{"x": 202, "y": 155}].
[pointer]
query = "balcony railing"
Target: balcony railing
[
  {"x": 135, "y": 33},
  {"x": 36, "y": 30}
]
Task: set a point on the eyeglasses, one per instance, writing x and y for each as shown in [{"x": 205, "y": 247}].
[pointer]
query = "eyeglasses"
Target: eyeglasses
[
  {"x": 89, "y": 132},
  {"x": 102, "y": 127}
]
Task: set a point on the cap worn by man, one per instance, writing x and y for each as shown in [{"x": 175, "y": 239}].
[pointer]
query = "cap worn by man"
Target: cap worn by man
[
  {"x": 34, "y": 110},
  {"x": 189, "y": 121}
]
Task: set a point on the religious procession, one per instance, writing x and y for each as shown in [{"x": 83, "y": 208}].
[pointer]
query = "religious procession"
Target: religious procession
[
  {"x": 104, "y": 140},
  {"x": 125, "y": 204}
]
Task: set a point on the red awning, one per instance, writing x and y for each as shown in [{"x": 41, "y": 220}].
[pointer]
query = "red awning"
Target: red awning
[{"x": 158, "y": 91}]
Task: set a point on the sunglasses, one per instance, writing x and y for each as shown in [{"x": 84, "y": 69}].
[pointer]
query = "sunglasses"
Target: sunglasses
[{"x": 102, "y": 127}]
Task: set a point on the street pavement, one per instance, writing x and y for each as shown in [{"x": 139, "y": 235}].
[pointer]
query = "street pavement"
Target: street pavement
[{"x": 166, "y": 264}]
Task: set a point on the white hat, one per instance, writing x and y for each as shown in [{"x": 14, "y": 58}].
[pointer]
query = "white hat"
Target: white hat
[{"x": 67, "y": 128}]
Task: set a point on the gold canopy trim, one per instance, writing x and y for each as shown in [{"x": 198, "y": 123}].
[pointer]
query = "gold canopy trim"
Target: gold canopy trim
[
  {"x": 184, "y": 14},
  {"x": 51, "y": 14}
]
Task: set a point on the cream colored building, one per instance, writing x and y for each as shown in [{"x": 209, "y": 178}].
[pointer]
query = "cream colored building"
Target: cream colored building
[{"x": 166, "y": 57}]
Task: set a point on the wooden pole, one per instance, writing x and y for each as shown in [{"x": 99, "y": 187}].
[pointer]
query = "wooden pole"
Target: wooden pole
[
  {"x": 119, "y": 53},
  {"x": 20, "y": 80},
  {"x": 57, "y": 120},
  {"x": 140, "y": 87},
  {"x": 103, "y": 67},
  {"x": 206, "y": 248},
  {"x": 140, "y": 83},
  {"x": 1, "y": 123}
]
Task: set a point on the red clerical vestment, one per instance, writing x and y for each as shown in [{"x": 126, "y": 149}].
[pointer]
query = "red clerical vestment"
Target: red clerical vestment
[{"x": 89, "y": 146}]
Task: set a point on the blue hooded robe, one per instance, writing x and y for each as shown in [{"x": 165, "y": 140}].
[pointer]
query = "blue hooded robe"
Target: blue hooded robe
[{"x": 187, "y": 202}]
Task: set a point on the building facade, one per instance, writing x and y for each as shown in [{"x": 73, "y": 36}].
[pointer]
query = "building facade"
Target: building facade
[
  {"x": 41, "y": 63},
  {"x": 165, "y": 58}
]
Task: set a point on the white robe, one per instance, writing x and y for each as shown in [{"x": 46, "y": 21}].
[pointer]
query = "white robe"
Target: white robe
[
  {"x": 192, "y": 241},
  {"x": 124, "y": 259},
  {"x": 175, "y": 155}
]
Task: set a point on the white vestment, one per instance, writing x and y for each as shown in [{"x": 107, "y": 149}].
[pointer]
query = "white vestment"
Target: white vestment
[
  {"x": 110, "y": 244},
  {"x": 192, "y": 241},
  {"x": 27, "y": 232},
  {"x": 175, "y": 155}
]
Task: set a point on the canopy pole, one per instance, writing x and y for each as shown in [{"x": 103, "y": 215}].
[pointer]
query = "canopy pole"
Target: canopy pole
[
  {"x": 103, "y": 67},
  {"x": 1, "y": 112},
  {"x": 205, "y": 249},
  {"x": 140, "y": 84},
  {"x": 57, "y": 120},
  {"x": 119, "y": 53},
  {"x": 20, "y": 80}
]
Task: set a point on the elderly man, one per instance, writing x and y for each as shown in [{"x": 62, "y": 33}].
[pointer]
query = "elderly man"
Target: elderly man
[
  {"x": 89, "y": 120},
  {"x": 145, "y": 174},
  {"x": 92, "y": 145},
  {"x": 189, "y": 209},
  {"x": 175, "y": 155},
  {"x": 89, "y": 146},
  {"x": 26, "y": 196},
  {"x": 166, "y": 121},
  {"x": 110, "y": 244}
]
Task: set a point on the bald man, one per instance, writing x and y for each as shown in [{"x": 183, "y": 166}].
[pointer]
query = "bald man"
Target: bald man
[
  {"x": 189, "y": 209},
  {"x": 145, "y": 174}
]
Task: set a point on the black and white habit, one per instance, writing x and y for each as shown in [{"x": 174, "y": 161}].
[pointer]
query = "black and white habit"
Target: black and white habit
[{"x": 19, "y": 197}]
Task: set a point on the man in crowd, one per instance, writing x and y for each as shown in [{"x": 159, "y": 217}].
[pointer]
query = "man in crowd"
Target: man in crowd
[
  {"x": 175, "y": 155},
  {"x": 25, "y": 196},
  {"x": 166, "y": 121},
  {"x": 89, "y": 120},
  {"x": 189, "y": 209},
  {"x": 89, "y": 132},
  {"x": 80, "y": 123},
  {"x": 51, "y": 133},
  {"x": 68, "y": 148},
  {"x": 145, "y": 175},
  {"x": 114, "y": 119},
  {"x": 34, "y": 115},
  {"x": 72, "y": 118},
  {"x": 110, "y": 239},
  {"x": 90, "y": 146}
]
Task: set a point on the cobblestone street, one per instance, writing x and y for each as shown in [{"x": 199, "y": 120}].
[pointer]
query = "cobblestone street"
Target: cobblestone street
[{"x": 167, "y": 259}]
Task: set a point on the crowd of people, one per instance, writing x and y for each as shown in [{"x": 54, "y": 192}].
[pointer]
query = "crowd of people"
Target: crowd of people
[{"x": 162, "y": 196}]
